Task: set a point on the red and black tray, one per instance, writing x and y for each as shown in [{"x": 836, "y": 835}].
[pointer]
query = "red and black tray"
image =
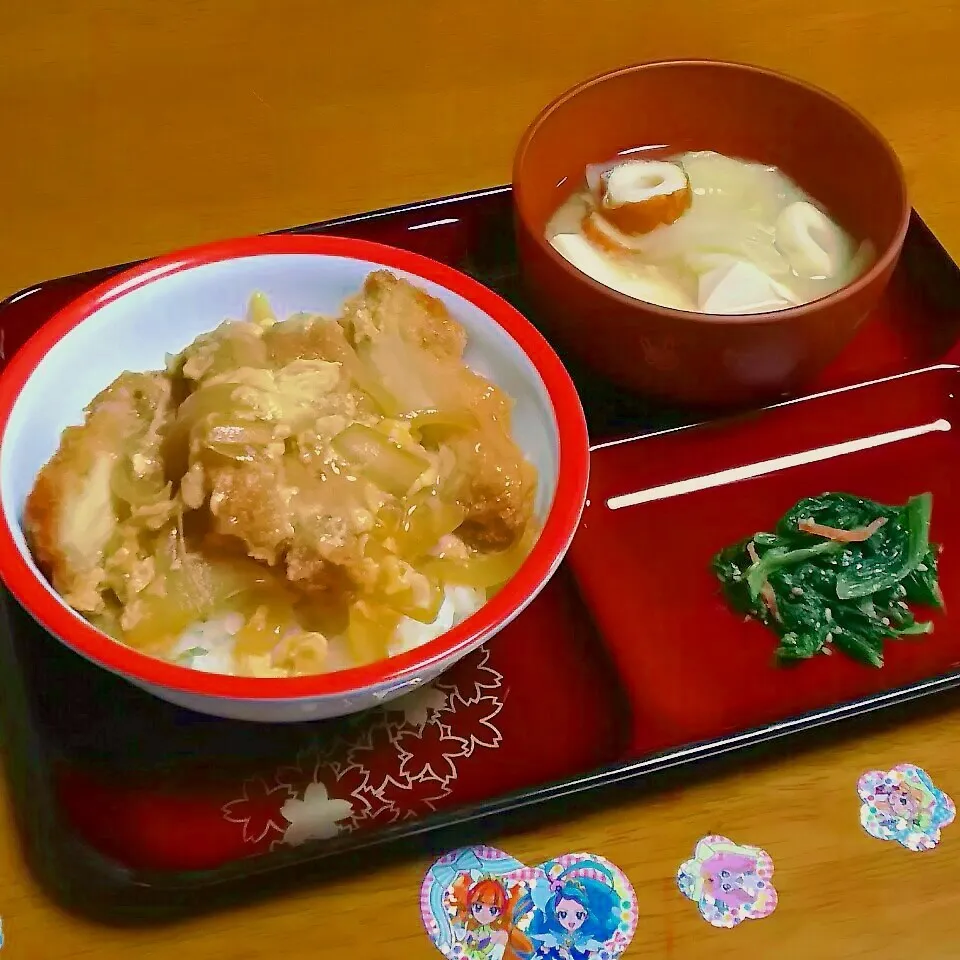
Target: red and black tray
[{"x": 627, "y": 665}]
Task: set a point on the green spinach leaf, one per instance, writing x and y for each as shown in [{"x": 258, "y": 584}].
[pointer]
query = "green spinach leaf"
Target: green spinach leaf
[{"x": 838, "y": 572}]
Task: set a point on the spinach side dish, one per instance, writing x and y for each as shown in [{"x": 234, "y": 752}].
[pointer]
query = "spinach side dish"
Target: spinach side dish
[{"x": 838, "y": 571}]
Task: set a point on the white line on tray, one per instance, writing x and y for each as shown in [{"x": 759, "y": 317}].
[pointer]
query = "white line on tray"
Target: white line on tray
[
  {"x": 434, "y": 223},
  {"x": 750, "y": 470}
]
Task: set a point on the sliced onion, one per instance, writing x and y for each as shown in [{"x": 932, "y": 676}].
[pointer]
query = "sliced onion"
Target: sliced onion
[
  {"x": 240, "y": 348},
  {"x": 260, "y": 312},
  {"x": 242, "y": 584},
  {"x": 217, "y": 398},
  {"x": 379, "y": 459},
  {"x": 373, "y": 376},
  {"x": 165, "y": 618},
  {"x": 302, "y": 653},
  {"x": 418, "y": 523},
  {"x": 434, "y": 426},
  {"x": 484, "y": 571},
  {"x": 134, "y": 490},
  {"x": 323, "y": 613},
  {"x": 422, "y": 611},
  {"x": 108, "y": 622},
  {"x": 261, "y": 633},
  {"x": 238, "y": 440},
  {"x": 369, "y": 632},
  {"x": 333, "y": 343},
  {"x": 420, "y": 602}
]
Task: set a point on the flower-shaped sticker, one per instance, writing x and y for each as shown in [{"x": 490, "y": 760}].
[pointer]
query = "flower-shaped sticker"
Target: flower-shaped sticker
[
  {"x": 903, "y": 804},
  {"x": 729, "y": 883}
]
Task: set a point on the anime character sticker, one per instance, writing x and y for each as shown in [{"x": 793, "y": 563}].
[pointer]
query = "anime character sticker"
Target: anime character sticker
[
  {"x": 478, "y": 903},
  {"x": 582, "y": 908},
  {"x": 729, "y": 883},
  {"x": 486, "y": 919},
  {"x": 904, "y": 805},
  {"x": 469, "y": 903}
]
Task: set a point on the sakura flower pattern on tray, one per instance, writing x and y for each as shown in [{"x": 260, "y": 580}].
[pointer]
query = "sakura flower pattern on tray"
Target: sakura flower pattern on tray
[
  {"x": 728, "y": 882},
  {"x": 402, "y": 765},
  {"x": 904, "y": 805}
]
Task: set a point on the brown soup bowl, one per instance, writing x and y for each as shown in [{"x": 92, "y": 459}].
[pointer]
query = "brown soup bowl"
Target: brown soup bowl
[{"x": 832, "y": 152}]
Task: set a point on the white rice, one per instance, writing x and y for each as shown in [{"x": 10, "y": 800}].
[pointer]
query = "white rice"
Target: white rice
[{"x": 208, "y": 646}]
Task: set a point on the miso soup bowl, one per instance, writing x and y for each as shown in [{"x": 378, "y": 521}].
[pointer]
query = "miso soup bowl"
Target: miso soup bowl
[
  {"x": 831, "y": 151},
  {"x": 134, "y": 319}
]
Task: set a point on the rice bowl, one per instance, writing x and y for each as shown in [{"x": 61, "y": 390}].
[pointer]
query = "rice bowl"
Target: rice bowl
[{"x": 190, "y": 292}]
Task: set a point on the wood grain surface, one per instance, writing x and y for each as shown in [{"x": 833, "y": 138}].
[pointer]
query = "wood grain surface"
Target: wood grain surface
[{"x": 132, "y": 128}]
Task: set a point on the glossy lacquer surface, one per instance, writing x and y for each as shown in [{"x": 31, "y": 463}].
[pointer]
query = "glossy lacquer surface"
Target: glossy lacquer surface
[
  {"x": 695, "y": 670},
  {"x": 129, "y": 817}
]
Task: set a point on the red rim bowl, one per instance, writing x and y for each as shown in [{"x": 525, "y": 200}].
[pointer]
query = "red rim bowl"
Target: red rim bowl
[
  {"x": 830, "y": 149},
  {"x": 559, "y": 526}
]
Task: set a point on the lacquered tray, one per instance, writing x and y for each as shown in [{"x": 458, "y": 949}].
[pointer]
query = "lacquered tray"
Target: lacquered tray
[{"x": 130, "y": 807}]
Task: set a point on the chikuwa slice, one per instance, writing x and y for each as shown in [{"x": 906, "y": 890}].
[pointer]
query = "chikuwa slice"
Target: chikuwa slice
[{"x": 639, "y": 195}]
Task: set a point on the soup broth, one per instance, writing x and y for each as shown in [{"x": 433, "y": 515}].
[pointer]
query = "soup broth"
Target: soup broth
[{"x": 701, "y": 231}]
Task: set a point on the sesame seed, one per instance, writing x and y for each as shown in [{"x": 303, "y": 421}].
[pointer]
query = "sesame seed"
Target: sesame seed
[
  {"x": 828, "y": 613},
  {"x": 922, "y": 567}
]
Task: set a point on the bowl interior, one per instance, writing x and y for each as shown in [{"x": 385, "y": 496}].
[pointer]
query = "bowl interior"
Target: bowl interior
[
  {"x": 135, "y": 330},
  {"x": 742, "y": 111}
]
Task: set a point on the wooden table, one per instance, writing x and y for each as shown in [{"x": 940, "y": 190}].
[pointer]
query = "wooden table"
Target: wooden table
[{"x": 132, "y": 128}]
